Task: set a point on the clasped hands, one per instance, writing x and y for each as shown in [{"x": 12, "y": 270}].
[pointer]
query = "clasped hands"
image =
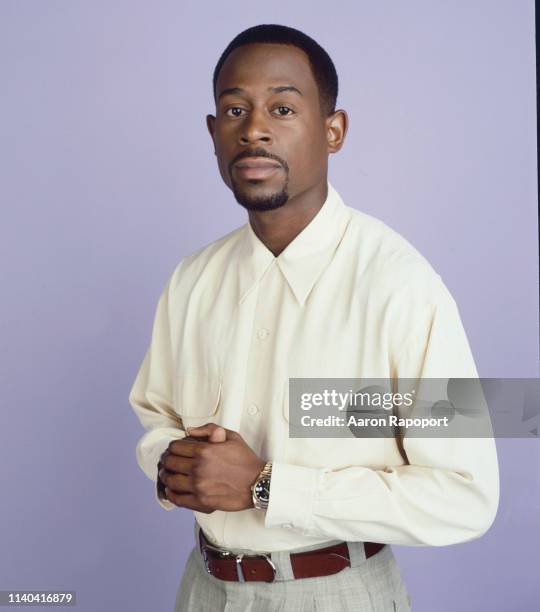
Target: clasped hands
[{"x": 209, "y": 474}]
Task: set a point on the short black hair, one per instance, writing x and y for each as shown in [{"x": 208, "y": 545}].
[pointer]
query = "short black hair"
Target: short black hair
[{"x": 321, "y": 64}]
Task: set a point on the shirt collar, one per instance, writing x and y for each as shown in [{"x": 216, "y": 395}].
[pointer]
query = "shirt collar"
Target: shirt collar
[{"x": 304, "y": 259}]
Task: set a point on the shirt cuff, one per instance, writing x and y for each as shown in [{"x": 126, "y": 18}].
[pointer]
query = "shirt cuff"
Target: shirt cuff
[
  {"x": 293, "y": 490},
  {"x": 149, "y": 451}
]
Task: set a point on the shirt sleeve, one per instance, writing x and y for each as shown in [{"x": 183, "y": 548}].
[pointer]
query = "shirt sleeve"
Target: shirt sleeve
[
  {"x": 446, "y": 492},
  {"x": 151, "y": 398}
]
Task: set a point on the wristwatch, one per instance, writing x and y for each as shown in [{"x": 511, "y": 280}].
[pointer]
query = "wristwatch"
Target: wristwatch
[{"x": 260, "y": 489}]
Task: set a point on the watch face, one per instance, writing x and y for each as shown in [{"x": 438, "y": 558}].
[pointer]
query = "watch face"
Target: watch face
[{"x": 262, "y": 489}]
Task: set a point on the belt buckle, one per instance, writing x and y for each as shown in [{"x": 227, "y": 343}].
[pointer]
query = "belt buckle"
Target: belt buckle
[
  {"x": 240, "y": 571},
  {"x": 271, "y": 564},
  {"x": 238, "y": 558}
]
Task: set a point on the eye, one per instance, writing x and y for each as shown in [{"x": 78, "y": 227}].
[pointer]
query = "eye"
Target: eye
[
  {"x": 284, "y": 111},
  {"x": 234, "y": 111}
]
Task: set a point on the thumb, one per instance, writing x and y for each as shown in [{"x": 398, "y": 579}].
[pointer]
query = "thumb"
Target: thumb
[
  {"x": 218, "y": 435},
  {"x": 214, "y": 432}
]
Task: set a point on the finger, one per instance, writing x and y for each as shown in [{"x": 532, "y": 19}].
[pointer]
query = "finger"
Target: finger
[
  {"x": 198, "y": 432},
  {"x": 186, "y": 500},
  {"x": 184, "y": 447},
  {"x": 177, "y": 483},
  {"x": 216, "y": 433},
  {"x": 163, "y": 475},
  {"x": 202, "y": 430},
  {"x": 178, "y": 464}
]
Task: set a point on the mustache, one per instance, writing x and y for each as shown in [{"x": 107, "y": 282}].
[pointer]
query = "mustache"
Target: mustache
[{"x": 259, "y": 153}]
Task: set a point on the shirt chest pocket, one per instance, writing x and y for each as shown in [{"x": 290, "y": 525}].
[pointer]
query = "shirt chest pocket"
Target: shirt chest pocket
[{"x": 197, "y": 398}]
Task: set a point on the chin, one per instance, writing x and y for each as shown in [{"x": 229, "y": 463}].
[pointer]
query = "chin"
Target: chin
[{"x": 261, "y": 198}]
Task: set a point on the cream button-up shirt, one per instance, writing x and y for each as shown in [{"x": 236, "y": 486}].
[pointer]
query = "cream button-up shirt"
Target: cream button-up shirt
[{"x": 347, "y": 298}]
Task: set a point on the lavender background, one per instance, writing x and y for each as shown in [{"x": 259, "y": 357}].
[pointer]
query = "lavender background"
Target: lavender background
[{"x": 107, "y": 179}]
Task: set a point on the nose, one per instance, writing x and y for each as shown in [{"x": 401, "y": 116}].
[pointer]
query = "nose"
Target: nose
[{"x": 255, "y": 129}]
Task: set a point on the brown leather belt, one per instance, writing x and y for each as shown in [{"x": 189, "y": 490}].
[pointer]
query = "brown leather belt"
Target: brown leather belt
[{"x": 226, "y": 565}]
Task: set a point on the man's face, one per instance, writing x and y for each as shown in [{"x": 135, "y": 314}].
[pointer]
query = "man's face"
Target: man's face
[{"x": 269, "y": 134}]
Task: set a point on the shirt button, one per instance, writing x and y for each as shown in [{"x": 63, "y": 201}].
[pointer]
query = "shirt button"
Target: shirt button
[
  {"x": 262, "y": 334},
  {"x": 253, "y": 409}
]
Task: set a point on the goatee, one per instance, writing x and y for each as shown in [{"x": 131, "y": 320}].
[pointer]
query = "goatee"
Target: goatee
[{"x": 262, "y": 202}]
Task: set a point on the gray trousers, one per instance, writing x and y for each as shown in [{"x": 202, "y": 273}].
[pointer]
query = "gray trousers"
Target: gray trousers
[{"x": 372, "y": 585}]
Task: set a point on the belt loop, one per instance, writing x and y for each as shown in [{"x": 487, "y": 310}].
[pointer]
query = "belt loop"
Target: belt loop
[
  {"x": 239, "y": 569},
  {"x": 357, "y": 553},
  {"x": 282, "y": 561}
]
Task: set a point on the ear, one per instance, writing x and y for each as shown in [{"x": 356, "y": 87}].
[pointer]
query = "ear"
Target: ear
[
  {"x": 336, "y": 129},
  {"x": 210, "y": 124}
]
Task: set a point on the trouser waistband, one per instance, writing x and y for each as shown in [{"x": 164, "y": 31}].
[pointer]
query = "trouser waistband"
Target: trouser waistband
[{"x": 282, "y": 559}]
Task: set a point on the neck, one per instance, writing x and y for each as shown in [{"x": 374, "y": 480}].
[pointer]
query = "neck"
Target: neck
[{"x": 278, "y": 228}]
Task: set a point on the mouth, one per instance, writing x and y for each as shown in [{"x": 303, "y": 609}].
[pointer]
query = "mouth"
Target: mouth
[{"x": 256, "y": 168}]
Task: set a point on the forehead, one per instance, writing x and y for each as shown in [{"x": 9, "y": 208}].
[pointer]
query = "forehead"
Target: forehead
[{"x": 259, "y": 66}]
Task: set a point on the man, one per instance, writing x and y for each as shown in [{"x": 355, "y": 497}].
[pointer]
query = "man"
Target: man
[{"x": 307, "y": 288}]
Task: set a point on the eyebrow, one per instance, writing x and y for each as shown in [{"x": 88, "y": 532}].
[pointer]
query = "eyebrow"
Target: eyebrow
[{"x": 280, "y": 89}]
